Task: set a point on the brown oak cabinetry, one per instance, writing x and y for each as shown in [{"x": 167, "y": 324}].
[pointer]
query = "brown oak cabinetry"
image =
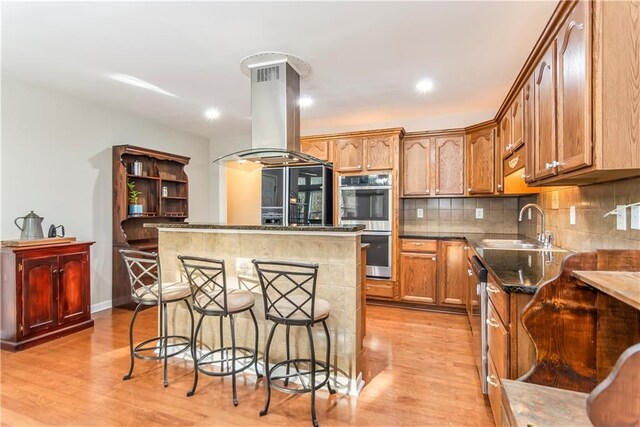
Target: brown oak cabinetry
[
  {"x": 379, "y": 152},
  {"x": 433, "y": 272},
  {"x": 46, "y": 293},
  {"x": 349, "y": 155},
  {"x": 416, "y": 167},
  {"x": 481, "y": 162},
  {"x": 545, "y": 115},
  {"x": 449, "y": 165},
  {"x": 529, "y": 130},
  {"x": 505, "y": 136},
  {"x": 320, "y": 149},
  {"x": 517, "y": 122}
]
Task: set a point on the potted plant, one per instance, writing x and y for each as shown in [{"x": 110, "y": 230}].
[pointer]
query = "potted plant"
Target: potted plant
[{"x": 135, "y": 209}]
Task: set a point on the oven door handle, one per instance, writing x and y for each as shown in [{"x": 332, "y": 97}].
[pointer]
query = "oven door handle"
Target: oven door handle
[
  {"x": 367, "y": 187},
  {"x": 376, "y": 233}
]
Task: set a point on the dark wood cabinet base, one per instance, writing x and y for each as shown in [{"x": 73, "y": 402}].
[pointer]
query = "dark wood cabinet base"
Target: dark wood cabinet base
[{"x": 42, "y": 338}]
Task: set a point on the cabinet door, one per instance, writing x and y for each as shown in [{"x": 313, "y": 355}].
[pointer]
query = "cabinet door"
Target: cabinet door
[
  {"x": 529, "y": 130},
  {"x": 450, "y": 165},
  {"x": 517, "y": 122},
  {"x": 379, "y": 152},
  {"x": 505, "y": 135},
  {"x": 545, "y": 115},
  {"x": 452, "y": 274},
  {"x": 418, "y": 282},
  {"x": 480, "y": 162},
  {"x": 39, "y": 293},
  {"x": 320, "y": 149},
  {"x": 574, "y": 90},
  {"x": 416, "y": 167},
  {"x": 349, "y": 154},
  {"x": 73, "y": 287}
]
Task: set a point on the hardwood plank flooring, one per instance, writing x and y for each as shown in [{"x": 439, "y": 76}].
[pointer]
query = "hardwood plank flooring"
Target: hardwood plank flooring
[{"x": 418, "y": 367}]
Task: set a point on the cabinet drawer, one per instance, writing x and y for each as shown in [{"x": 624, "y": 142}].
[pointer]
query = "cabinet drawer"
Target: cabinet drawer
[
  {"x": 418, "y": 245},
  {"x": 379, "y": 290},
  {"x": 499, "y": 298},
  {"x": 498, "y": 342},
  {"x": 495, "y": 393}
]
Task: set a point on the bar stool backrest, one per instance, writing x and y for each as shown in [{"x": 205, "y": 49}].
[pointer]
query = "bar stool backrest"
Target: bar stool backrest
[
  {"x": 144, "y": 274},
  {"x": 289, "y": 290},
  {"x": 208, "y": 282}
]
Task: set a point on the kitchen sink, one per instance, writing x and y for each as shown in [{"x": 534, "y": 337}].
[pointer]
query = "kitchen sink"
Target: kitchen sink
[{"x": 516, "y": 245}]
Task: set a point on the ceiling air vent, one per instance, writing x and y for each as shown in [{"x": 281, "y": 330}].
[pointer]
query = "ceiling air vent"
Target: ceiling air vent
[{"x": 268, "y": 74}]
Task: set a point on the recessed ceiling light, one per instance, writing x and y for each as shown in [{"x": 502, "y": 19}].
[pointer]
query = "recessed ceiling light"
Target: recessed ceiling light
[
  {"x": 305, "y": 101},
  {"x": 424, "y": 86},
  {"x": 134, "y": 81},
  {"x": 211, "y": 114}
]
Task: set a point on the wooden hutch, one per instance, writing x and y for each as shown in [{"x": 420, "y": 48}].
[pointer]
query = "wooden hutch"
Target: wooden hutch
[{"x": 159, "y": 170}]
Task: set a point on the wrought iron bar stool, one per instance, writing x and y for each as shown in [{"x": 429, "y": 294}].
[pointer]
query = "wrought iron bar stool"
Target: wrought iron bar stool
[
  {"x": 289, "y": 292},
  {"x": 208, "y": 281},
  {"x": 148, "y": 289}
]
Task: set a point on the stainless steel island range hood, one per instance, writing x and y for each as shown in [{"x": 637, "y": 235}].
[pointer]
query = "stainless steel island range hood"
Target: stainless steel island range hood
[{"x": 275, "y": 117}]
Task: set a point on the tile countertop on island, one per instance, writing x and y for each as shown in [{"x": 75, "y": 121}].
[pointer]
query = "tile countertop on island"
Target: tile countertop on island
[
  {"x": 517, "y": 271},
  {"x": 257, "y": 227}
]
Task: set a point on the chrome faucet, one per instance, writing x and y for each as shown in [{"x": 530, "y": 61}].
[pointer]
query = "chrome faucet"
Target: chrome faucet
[{"x": 544, "y": 237}]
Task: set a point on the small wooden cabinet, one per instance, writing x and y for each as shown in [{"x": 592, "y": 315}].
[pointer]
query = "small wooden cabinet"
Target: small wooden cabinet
[
  {"x": 349, "y": 155},
  {"x": 452, "y": 273},
  {"x": 46, "y": 293},
  {"x": 545, "y": 114},
  {"x": 416, "y": 167},
  {"x": 505, "y": 136},
  {"x": 379, "y": 152},
  {"x": 319, "y": 148},
  {"x": 481, "y": 162},
  {"x": 517, "y": 122},
  {"x": 529, "y": 130},
  {"x": 419, "y": 279},
  {"x": 449, "y": 165}
]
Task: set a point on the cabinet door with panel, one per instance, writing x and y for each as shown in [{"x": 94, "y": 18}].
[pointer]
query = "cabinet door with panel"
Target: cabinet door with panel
[
  {"x": 529, "y": 130},
  {"x": 73, "y": 287},
  {"x": 449, "y": 165},
  {"x": 349, "y": 154},
  {"x": 574, "y": 90},
  {"x": 452, "y": 273},
  {"x": 320, "y": 149},
  {"x": 419, "y": 279},
  {"x": 416, "y": 167},
  {"x": 379, "y": 152},
  {"x": 505, "y": 135},
  {"x": 481, "y": 162},
  {"x": 39, "y": 294},
  {"x": 545, "y": 115},
  {"x": 517, "y": 122}
]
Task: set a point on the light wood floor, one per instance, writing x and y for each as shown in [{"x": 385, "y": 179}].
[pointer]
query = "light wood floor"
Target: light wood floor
[{"x": 418, "y": 367}]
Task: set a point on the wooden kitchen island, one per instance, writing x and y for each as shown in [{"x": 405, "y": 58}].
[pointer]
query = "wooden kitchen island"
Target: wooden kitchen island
[{"x": 337, "y": 250}]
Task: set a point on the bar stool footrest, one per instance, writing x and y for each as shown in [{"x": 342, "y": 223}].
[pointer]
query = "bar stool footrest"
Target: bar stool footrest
[
  {"x": 181, "y": 344},
  {"x": 303, "y": 384},
  {"x": 245, "y": 357}
]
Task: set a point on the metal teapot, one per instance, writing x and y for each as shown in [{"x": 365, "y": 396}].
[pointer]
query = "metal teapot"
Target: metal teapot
[{"x": 31, "y": 226}]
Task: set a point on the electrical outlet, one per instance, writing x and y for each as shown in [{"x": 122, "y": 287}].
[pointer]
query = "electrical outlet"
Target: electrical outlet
[
  {"x": 420, "y": 213},
  {"x": 572, "y": 215},
  {"x": 479, "y": 213},
  {"x": 635, "y": 217},
  {"x": 621, "y": 217},
  {"x": 555, "y": 202}
]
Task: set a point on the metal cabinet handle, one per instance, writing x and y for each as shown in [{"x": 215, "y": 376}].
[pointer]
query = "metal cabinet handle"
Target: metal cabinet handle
[
  {"x": 493, "y": 289},
  {"x": 469, "y": 272},
  {"x": 466, "y": 248},
  {"x": 469, "y": 189},
  {"x": 437, "y": 190},
  {"x": 61, "y": 270},
  {"x": 368, "y": 166},
  {"x": 548, "y": 166},
  {"x": 491, "y": 380},
  {"x": 54, "y": 272},
  {"x": 555, "y": 164},
  {"x": 499, "y": 186},
  {"x": 418, "y": 244},
  {"x": 433, "y": 258},
  {"x": 493, "y": 323}
]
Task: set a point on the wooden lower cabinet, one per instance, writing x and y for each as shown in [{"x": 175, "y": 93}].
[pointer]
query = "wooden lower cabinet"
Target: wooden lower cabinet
[
  {"x": 434, "y": 272},
  {"x": 45, "y": 293},
  {"x": 379, "y": 289}
]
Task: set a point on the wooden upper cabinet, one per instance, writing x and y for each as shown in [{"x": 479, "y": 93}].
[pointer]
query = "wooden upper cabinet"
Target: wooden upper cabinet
[
  {"x": 529, "y": 130},
  {"x": 517, "y": 122},
  {"x": 545, "y": 114},
  {"x": 349, "y": 154},
  {"x": 505, "y": 135},
  {"x": 379, "y": 152},
  {"x": 320, "y": 149},
  {"x": 449, "y": 165},
  {"x": 39, "y": 294},
  {"x": 452, "y": 273},
  {"x": 574, "y": 90},
  {"x": 419, "y": 279},
  {"x": 416, "y": 167},
  {"x": 481, "y": 162}
]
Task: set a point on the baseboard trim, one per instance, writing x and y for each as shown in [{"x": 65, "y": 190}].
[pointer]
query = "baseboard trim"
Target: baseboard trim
[{"x": 104, "y": 305}]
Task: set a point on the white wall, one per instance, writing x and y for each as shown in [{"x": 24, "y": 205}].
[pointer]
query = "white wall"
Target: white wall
[{"x": 56, "y": 160}]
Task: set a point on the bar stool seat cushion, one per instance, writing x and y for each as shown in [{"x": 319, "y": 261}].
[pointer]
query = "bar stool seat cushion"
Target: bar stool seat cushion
[
  {"x": 170, "y": 291},
  {"x": 321, "y": 309},
  {"x": 237, "y": 300}
]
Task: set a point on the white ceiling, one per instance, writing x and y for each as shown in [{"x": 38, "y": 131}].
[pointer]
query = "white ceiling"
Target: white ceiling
[{"x": 366, "y": 57}]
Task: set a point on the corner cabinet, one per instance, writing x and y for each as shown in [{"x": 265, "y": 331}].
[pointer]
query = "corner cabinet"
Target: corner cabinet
[
  {"x": 164, "y": 187},
  {"x": 481, "y": 158},
  {"x": 449, "y": 165},
  {"x": 320, "y": 149},
  {"x": 46, "y": 293}
]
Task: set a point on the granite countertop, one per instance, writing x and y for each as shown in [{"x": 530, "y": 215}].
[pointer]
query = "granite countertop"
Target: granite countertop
[
  {"x": 517, "y": 271},
  {"x": 213, "y": 226}
]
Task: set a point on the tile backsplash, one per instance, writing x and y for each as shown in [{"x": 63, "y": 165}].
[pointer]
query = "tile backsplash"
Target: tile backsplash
[
  {"x": 500, "y": 215},
  {"x": 591, "y": 231}
]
